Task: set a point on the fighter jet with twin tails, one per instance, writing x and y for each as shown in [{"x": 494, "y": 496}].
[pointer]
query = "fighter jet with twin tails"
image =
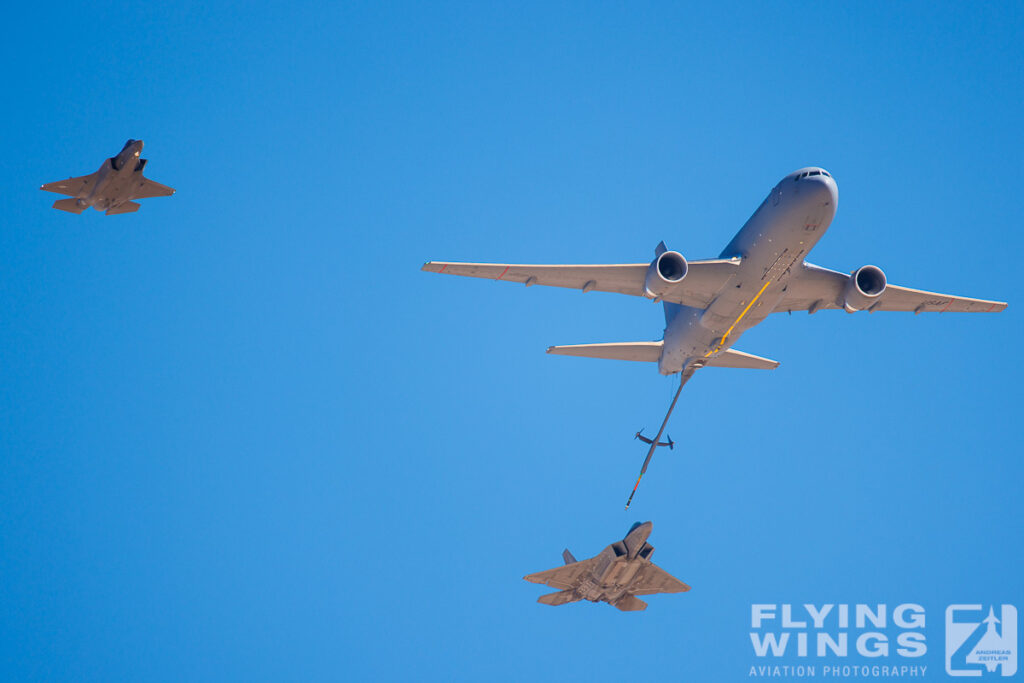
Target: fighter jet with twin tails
[
  {"x": 710, "y": 303},
  {"x": 615, "y": 575},
  {"x": 113, "y": 187}
]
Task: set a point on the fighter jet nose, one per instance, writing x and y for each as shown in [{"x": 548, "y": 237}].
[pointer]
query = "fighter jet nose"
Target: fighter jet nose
[{"x": 640, "y": 531}]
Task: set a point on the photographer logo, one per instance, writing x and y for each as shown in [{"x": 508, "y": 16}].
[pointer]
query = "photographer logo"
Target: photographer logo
[{"x": 980, "y": 640}]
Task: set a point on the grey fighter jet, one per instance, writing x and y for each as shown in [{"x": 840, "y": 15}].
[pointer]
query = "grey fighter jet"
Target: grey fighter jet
[
  {"x": 616, "y": 575},
  {"x": 111, "y": 188}
]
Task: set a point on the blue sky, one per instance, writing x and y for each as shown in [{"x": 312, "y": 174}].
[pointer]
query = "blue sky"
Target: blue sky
[{"x": 243, "y": 437}]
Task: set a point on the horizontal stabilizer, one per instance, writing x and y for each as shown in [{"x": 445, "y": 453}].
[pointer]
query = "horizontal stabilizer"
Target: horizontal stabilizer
[
  {"x": 641, "y": 351},
  {"x": 70, "y": 205},
  {"x": 629, "y": 603},
  {"x": 127, "y": 207},
  {"x": 559, "y": 598},
  {"x": 730, "y": 358}
]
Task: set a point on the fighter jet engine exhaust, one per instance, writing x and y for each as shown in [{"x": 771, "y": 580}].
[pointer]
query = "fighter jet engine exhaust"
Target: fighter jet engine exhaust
[
  {"x": 666, "y": 270},
  {"x": 866, "y": 284}
]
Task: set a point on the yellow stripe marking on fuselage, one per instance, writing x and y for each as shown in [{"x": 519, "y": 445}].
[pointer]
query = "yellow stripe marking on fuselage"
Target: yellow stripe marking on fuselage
[{"x": 736, "y": 322}]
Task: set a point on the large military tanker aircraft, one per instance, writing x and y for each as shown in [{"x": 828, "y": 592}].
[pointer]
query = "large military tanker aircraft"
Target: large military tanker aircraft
[{"x": 710, "y": 303}]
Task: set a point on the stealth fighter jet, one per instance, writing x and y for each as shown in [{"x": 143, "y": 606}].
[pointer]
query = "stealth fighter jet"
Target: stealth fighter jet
[
  {"x": 616, "y": 575},
  {"x": 113, "y": 187}
]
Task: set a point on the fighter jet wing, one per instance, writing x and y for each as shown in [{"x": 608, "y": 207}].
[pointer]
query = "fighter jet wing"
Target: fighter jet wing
[
  {"x": 822, "y": 288},
  {"x": 564, "y": 577},
  {"x": 702, "y": 282},
  {"x": 72, "y": 187},
  {"x": 652, "y": 579},
  {"x": 150, "y": 188}
]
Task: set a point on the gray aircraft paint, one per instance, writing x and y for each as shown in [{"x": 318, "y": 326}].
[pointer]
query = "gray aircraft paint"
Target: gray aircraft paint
[
  {"x": 616, "y": 575},
  {"x": 709, "y": 304},
  {"x": 113, "y": 187},
  {"x": 789, "y": 222}
]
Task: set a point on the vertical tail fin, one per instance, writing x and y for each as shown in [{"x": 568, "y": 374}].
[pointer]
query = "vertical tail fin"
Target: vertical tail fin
[{"x": 567, "y": 556}]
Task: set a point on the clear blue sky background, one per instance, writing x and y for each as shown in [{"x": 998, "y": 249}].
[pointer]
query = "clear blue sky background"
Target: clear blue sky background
[{"x": 243, "y": 437}]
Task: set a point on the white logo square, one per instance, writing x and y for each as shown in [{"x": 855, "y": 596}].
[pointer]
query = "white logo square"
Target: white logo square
[{"x": 978, "y": 645}]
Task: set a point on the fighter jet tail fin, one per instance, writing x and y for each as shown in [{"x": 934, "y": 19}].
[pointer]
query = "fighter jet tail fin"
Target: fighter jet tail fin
[
  {"x": 567, "y": 556},
  {"x": 559, "y": 598},
  {"x": 69, "y": 205},
  {"x": 127, "y": 207},
  {"x": 671, "y": 311},
  {"x": 629, "y": 603}
]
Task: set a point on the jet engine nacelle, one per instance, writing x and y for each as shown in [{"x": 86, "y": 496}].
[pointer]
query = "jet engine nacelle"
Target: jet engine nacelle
[
  {"x": 666, "y": 270},
  {"x": 866, "y": 284}
]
